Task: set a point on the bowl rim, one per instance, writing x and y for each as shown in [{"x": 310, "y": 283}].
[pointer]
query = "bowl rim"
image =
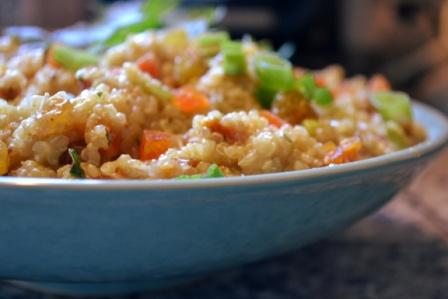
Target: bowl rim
[{"x": 431, "y": 144}]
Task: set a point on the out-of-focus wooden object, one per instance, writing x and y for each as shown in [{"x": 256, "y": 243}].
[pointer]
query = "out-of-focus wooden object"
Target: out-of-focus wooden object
[{"x": 44, "y": 13}]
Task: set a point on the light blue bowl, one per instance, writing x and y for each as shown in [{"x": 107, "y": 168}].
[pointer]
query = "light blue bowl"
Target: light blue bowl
[{"x": 97, "y": 237}]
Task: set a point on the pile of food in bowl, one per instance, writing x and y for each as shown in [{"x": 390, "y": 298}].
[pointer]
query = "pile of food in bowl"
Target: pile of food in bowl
[{"x": 164, "y": 105}]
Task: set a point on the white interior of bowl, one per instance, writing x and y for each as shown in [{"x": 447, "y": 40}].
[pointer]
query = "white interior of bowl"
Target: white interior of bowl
[{"x": 436, "y": 125}]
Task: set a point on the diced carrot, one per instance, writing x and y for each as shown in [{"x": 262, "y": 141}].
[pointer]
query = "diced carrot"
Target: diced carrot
[
  {"x": 231, "y": 135},
  {"x": 272, "y": 118},
  {"x": 347, "y": 151},
  {"x": 154, "y": 144},
  {"x": 191, "y": 101},
  {"x": 50, "y": 57},
  {"x": 379, "y": 83},
  {"x": 149, "y": 64}
]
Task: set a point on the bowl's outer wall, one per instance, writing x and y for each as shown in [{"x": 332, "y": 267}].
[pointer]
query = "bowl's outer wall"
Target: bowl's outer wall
[
  {"x": 94, "y": 236},
  {"x": 59, "y": 234}
]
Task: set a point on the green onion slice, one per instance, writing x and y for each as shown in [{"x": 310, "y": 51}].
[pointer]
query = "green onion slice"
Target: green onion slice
[
  {"x": 306, "y": 85},
  {"x": 234, "y": 59},
  {"x": 322, "y": 96},
  {"x": 273, "y": 72},
  {"x": 147, "y": 83},
  {"x": 396, "y": 134},
  {"x": 212, "y": 38},
  {"x": 73, "y": 59},
  {"x": 265, "y": 96},
  {"x": 210, "y": 43},
  {"x": 394, "y": 106}
]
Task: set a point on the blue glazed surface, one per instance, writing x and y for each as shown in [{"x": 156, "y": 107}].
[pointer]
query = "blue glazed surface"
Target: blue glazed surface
[{"x": 107, "y": 232}]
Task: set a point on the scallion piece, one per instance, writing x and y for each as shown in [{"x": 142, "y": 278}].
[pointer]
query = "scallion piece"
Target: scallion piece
[
  {"x": 234, "y": 60},
  {"x": 147, "y": 83},
  {"x": 265, "y": 96},
  {"x": 76, "y": 169},
  {"x": 307, "y": 86},
  {"x": 72, "y": 59},
  {"x": 396, "y": 134},
  {"x": 274, "y": 75},
  {"x": 322, "y": 96},
  {"x": 394, "y": 106},
  {"x": 212, "y": 38},
  {"x": 273, "y": 72},
  {"x": 210, "y": 43}
]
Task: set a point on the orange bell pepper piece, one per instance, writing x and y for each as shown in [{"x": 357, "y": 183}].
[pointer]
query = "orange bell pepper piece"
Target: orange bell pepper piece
[
  {"x": 191, "y": 101},
  {"x": 347, "y": 151},
  {"x": 149, "y": 64},
  {"x": 154, "y": 144},
  {"x": 379, "y": 83},
  {"x": 272, "y": 118}
]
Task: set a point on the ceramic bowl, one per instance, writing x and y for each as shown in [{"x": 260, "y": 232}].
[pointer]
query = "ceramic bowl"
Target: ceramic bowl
[{"x": 97, "y": 236}]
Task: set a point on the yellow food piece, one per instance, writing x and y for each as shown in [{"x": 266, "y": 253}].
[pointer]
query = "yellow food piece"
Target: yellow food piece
[{"x": 4, "y": 158}]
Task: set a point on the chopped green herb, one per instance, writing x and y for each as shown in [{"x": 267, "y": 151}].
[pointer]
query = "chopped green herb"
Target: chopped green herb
[
  {"x": 213, "y": 171},
  {"x": 76, "y": 169}
]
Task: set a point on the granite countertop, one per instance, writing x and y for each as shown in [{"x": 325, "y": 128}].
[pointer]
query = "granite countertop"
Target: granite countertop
[{"x": 399, "y": 252}]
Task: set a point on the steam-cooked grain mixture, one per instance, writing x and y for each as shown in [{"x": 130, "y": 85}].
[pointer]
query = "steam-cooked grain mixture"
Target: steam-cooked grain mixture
[{"x": 163, "y": 105}]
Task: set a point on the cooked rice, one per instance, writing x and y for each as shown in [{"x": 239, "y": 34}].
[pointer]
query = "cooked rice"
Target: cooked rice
[{"x": 101, "y": 113}]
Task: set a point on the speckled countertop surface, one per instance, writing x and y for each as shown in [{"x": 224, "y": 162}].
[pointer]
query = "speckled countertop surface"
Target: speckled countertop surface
[{"x": 400, "y": 252}]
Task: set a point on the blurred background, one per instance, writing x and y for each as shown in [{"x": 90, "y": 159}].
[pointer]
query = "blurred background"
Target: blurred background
[{"x": 407, "y": 40}]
